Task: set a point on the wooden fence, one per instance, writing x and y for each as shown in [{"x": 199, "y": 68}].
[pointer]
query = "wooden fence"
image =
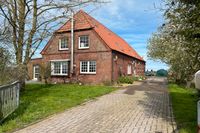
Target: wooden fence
[{"x": 9, "y": 99}]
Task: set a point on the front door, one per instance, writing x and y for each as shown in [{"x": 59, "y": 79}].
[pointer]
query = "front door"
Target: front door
[{"x": 36, "y": 72}]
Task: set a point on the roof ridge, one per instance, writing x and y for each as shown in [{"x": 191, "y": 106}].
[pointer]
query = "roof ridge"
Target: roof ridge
[
  {"x": 80, "y": 11},
  {"x": 110, "y": 31},
  {"x": 100, "y": 23},
  {"x": 86, "y": 17},
  {"x": 83, "y": 21}
]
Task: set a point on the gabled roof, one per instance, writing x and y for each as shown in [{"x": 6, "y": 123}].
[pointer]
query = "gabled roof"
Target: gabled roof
[{"x": 113, "y": 41}]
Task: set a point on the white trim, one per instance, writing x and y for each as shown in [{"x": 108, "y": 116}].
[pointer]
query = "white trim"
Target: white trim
[
  {"x": 59, "y": 74},
  {"x": 88, "y": 71},
  {"x": 60, "y": 41},
  {"x": 34, "y": 78},
  {"x": 63, "y": 49},
  {"x": 129, "y": 69},
  {"x": 79, "y": 44},
  {"x": 83, "y": 48},
  {"x": 92, "y": 73},
  {"x": 58, "y": 60}
]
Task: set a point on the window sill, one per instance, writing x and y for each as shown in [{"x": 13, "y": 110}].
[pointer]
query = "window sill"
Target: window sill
[
  {"x": 87, "y": 73},
  {"x": 63, "y": 49},
  {"x": 83, "y": 48},
  {"x": 59, "y": 74}
]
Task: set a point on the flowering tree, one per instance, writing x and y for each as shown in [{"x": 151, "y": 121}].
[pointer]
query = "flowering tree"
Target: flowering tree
[{"x": 177, "y": 41}]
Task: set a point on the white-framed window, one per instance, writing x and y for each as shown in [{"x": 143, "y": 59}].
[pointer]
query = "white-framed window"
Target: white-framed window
[
  {"x": 59, "y": 67},
  {"x": 88, "y": 67},
  {"x": 36, "y": 72},
  {"x": 83, "y": 42},
  {"x": 129, "y": 71},
  {"x": 63, "y": 43}
]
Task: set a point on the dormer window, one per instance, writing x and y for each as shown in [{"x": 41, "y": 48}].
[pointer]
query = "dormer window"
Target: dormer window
[
  {"x": 63, "y": 44},
  {"x": 83, "y": 42}
]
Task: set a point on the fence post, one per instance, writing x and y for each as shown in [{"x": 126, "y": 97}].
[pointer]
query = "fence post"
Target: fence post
[
  {"x": 1, "y": 114},
  {"x": 9, "y": 100}
]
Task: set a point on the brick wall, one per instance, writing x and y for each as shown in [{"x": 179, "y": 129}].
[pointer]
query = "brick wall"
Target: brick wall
[
  {"x": 108, "y": 68},
  {"x": 120, "y": 65},
  {"x": 97, "y": 51},
  {"x": 30, "y": 66},
  {"x": 103, "y": 67}
]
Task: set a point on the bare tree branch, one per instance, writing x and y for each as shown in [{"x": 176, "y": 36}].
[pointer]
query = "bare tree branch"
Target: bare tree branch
[{"x": 31, "y": 21}]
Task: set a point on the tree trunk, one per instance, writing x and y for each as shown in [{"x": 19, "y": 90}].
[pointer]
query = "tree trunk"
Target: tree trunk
[{"x": 22, "y": 71}]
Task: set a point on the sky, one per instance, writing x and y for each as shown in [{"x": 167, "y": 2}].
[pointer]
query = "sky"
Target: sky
[{"x": 134, "y": 21}]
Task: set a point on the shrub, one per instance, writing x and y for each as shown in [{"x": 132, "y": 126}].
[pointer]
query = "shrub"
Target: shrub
[
  {"x": 45, "y": 72},
  {"x": 135, "y": 78},
  {"x": 126, "y": 79},
  {"x": 138, "y": 78}
]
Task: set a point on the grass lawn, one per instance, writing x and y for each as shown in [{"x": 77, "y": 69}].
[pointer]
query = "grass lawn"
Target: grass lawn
[
  {"x": 40, "y": 101},
  {"x": 184, "y": 102}
]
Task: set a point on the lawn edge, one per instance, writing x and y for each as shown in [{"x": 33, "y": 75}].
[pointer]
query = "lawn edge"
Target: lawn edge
[
  {"x": 57, "y": 113},
  {"x": 173, "y": 117}
]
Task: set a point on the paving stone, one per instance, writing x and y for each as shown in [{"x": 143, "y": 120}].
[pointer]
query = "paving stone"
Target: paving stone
[{"x": 140, "y": 108}]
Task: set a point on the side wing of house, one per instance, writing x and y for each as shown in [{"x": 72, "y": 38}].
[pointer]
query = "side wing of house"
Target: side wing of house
[
  {"x": 34, "y": 69},
  {"x": 124, "y": 65}
]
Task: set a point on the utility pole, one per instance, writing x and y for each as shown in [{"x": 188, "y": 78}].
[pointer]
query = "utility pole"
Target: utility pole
[{"x": 72, "y": 44}]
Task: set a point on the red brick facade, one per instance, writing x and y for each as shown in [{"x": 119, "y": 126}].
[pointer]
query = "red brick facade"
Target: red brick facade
[
  {"x": 120, "y": 66},
  {"x": 110, "y": 64}
]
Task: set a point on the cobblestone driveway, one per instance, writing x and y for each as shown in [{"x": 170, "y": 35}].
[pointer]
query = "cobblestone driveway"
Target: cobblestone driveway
[{"x": 141, "y": 108}]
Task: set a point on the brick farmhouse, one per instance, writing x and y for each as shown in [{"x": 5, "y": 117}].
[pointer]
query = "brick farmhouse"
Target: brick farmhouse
[{"x": 98, "y": 54}]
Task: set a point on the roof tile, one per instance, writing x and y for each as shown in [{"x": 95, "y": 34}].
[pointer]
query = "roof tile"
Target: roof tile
[{"x": 85, "y": 21}]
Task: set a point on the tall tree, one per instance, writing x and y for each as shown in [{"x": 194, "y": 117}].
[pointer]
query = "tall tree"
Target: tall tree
[
  {"x": 29, "y": 22},
  {"x": 177, "y": 42}
]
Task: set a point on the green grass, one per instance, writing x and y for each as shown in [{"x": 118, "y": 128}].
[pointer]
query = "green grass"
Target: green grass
[
  {"x": 184, "y": 102},
  {"x": 40, "y": 101}
]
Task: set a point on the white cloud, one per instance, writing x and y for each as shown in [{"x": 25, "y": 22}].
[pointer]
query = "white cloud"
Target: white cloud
[{"x": 133, "y": 20}]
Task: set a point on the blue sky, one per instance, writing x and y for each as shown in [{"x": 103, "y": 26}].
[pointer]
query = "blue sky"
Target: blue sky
[{"x": 133, "y": 20}]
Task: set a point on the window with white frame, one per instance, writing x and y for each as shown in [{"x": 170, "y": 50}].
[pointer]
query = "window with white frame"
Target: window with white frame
[
  {"x": 63, "y": 44},
  {"x": 88, "y": 67},
  {"x": 36, "y": 69},
  {"x": 59, "y": 68},
  {"x": 129, "y": 69},
  {"x": 83, "y": 42}
]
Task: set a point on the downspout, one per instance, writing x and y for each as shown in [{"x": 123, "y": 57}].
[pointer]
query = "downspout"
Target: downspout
[
  {"x": 112, "y": 67},
  {"x": 72, "y": 44}
]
